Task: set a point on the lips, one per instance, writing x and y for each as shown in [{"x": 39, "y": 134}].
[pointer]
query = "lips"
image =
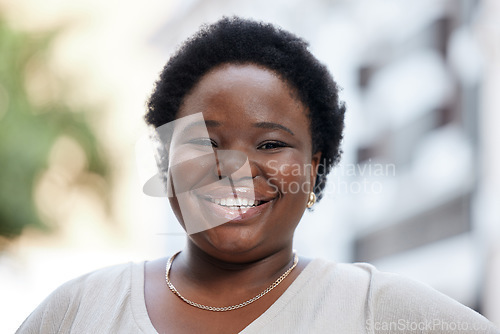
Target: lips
[
  {"x": 234, "y": 204},
  {"x": 232, "y": 214}
]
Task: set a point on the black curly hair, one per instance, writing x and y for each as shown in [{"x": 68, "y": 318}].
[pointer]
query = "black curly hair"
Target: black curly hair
[{"x": 240, "y": 41}]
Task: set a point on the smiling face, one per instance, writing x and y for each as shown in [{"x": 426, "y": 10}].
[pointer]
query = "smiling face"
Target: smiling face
[{"x": 243, "y": 162}]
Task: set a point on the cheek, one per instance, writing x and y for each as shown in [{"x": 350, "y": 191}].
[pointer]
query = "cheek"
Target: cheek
[
  {"x": 174, "y": 204},
  {"x": 192, "y": 173},
  {"x": 290, "y": 175}
]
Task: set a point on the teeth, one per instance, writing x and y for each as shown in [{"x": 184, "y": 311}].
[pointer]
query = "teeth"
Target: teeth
[{"x": 235, "y": 203}]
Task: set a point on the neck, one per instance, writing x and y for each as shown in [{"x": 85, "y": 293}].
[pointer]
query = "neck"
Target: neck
[{"x": 223, "y": 272}]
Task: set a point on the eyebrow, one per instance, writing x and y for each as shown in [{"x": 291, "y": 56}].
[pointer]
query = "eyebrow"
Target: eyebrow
[
  {"x": 270, "y": 125},
  {"x": 261, "y": 125},
  {"x": 207, "y": 123}
]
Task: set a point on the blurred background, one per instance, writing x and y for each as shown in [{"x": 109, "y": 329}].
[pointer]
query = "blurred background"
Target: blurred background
[{"x": 417, "y": 191}]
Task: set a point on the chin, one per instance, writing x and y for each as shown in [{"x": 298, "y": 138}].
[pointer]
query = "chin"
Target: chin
[{"x": 227, "y": 239}]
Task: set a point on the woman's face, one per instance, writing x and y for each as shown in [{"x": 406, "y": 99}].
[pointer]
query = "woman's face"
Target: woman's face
[{"x": 241, "y": 166}]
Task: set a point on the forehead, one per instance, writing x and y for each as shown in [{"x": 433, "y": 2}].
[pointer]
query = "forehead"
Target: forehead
[{"x": 242, "y": 87}]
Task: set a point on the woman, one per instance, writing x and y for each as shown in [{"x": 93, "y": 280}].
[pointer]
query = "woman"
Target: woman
[{"x": 250, "y": 125}]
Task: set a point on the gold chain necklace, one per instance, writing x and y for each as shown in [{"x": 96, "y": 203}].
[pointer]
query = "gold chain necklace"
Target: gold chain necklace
[{"x": 226, "y": 308}]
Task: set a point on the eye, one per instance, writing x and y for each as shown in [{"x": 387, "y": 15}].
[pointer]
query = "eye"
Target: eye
[
  {"x": 272, "y": 145},
  {"x": 203, "y": 142}
]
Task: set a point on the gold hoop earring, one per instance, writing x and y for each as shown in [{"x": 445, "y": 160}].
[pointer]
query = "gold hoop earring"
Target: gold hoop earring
[{"x": 312, "y": 200}]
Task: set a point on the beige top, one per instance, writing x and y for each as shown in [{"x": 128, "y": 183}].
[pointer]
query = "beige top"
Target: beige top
[{"x": 325, "y": 298}]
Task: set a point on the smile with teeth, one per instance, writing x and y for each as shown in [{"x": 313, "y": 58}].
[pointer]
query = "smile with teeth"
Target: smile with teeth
[{"x": 236, "y": 203}]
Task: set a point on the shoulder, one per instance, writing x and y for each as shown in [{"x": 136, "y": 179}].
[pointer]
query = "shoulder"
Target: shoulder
[
  {"x": 107, "y": 279},
  {"x": 101, "y": 279},
  {"x": 83, "y": 296},
  {"x": 343, "y": 275},
  {"x": 402, "y": 304},
  {"x": 393, "y": 302}
]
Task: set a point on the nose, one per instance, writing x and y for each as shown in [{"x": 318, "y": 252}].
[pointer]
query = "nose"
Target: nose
[{"x": 234, "y": 164}]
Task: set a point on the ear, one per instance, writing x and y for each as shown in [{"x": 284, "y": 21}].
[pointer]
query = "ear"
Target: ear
[{"x": 315, "y": 161}]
